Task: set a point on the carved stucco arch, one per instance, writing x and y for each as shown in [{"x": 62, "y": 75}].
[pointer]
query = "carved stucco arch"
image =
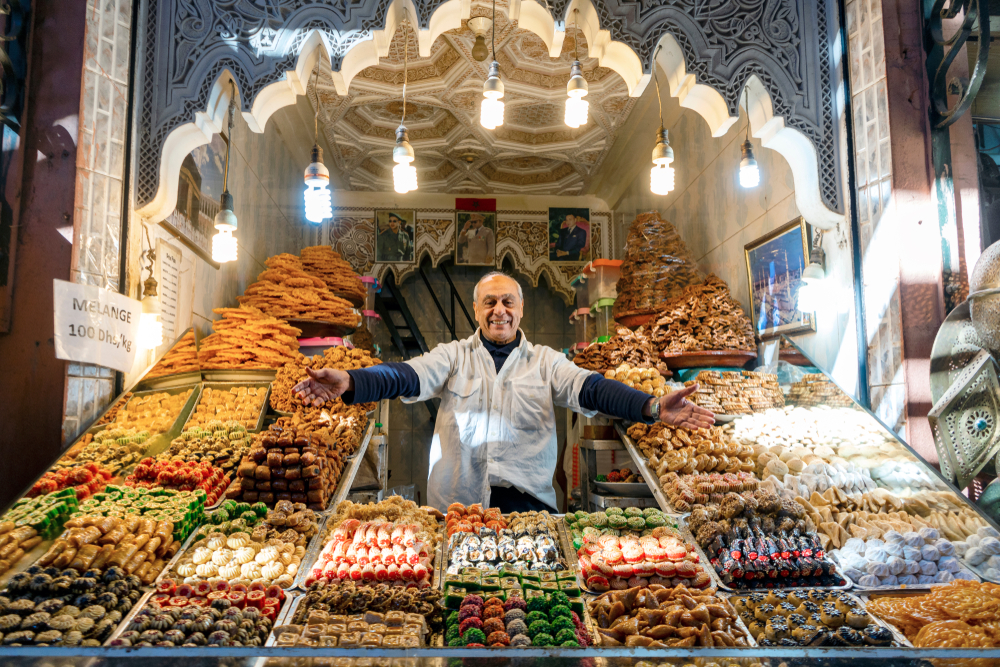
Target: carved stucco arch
[{"x": 185, "y": 84}]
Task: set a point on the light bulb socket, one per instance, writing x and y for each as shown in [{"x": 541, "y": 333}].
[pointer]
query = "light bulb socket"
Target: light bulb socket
[
  {"x": 662, "y": 152},
  {"x": 493, "y": 86},
  {"x": 577, "y": 85},
  {"x": 747, "y": 152},
  {"x": 225, "y": 218},
  {"x": 403, "y": 152},
  {"x": 817, "y": 265},
  {"x": 316, "y": 173},
  {"x": 149, "y": 287}
]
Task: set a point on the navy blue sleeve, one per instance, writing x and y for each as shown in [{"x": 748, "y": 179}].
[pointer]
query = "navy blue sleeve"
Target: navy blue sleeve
[
  {"x": 388, "y": 380},
  {"x": 614, "y": 398}
]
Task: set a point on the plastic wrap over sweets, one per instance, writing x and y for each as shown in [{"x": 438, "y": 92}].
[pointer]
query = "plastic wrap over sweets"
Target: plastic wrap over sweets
[{"x": 657, "y": 267}]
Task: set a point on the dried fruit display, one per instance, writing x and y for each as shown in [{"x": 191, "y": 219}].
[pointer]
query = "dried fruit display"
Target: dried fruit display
[
  {"x": 286, "y": 291},
  {"x": 703, "y": 317},
  {"x": 138, "y": 545},
  {"x": 221, "y": 444},
  {"x": 246, "y": 338},
  {"x": 241, "y": 404},
  {"x": 283, "y": 399},
  {"x": 631, "y": 348},
  {"x": 298, "y": 459},
  {"x": 85, "y": 480},
  {"x": 659, "y": 617},
  {"x": 657, "y": 266},
  {"x": 737, "y": 392},
  {"x": 325, "y": 263},
  {"x": 203, "y": 615},
  {"x": 180, "y": 476},
  {"x": 181, "y": 358},
  {"x": 51, "y": 607}
]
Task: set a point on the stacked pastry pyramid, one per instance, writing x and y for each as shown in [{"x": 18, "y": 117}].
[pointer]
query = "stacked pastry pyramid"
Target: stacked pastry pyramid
[
  {"x": 285, "y": 290},
  {"x": 657, "y": 267},
  {"x": 247, "y": 338},
  {"x": 326, "y": 264},
  {"x": 703, "y": 317},
  {"x": 182, "y": 358}
]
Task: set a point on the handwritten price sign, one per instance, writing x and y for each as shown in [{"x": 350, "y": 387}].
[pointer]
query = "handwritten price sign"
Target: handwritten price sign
[{"x": 95, "y": 325}]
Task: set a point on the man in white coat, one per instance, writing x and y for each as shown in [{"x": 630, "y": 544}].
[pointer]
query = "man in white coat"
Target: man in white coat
[{"x": 495, "y": 438}]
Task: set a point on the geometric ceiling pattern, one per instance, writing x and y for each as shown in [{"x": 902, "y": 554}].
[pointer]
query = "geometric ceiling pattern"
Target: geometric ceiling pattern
[{"x": 534, "y": 151}]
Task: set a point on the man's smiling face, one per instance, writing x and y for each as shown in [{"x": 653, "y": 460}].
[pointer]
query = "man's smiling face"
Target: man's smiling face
[{"x": 499, "y": 309}]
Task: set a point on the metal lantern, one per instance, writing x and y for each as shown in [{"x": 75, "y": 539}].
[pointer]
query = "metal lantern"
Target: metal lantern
[
  {"x": 964, "y": 421},
  {"x": 984, "y": 297}
]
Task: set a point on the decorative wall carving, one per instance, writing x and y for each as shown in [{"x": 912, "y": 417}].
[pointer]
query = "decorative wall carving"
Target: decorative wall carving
[
  {"x": 522, "y": 238},
  {"x": 784, "y": 43}
]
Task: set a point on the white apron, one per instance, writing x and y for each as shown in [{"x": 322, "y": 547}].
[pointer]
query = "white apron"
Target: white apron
[{"x": 489, "y": 424}]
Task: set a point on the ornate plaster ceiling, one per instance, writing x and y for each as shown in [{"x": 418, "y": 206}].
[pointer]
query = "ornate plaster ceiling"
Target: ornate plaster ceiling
[{"x": 533, "y": 152}]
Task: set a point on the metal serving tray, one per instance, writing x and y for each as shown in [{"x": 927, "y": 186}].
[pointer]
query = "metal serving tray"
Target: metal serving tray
[
  {"x": 625, "y": 489},
  {"x": 899, "y": 592},
  {"x": 351, "y": 469},
  {"x": 160, "y": 442},
  {"x": 226, "y": 386},
  {"x": 129, "y": 616},
  {"x": 652, "y": 481},
  {"x": 965, "y": 567}
]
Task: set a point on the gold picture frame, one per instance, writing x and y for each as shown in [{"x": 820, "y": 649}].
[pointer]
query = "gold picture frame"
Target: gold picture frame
[{"x": 775, "y": 263}]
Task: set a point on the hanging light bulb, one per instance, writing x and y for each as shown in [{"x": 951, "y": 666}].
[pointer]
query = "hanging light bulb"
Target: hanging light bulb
[
  {"x": 150, "y": 335},
  {"x": 812, "y": 283},
  {"x": 661, "y": 176},
  {"x": 491, "y": 110},
  {"x": 749, "y": 171},
  {"x": 224, "y": 247},
  {"x": 479, "y": 27},
  {"x": 577, "y": 108},
  {"x": 319, "y": 201},
  {"x": 404, "y": 174}
]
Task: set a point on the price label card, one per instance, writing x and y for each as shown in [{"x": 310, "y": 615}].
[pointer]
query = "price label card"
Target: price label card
[{"x": 95, "y": 325}]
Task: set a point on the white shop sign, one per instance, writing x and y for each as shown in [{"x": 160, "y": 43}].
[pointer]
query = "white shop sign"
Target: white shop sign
[{"x": 95, "y": 325}]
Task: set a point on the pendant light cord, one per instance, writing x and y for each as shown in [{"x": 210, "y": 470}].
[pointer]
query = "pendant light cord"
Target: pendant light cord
[
  {"x": 493, "y": 40},
  {"x": 229, "y": 138},
  {"x": 316, "y": 89},
  {"x": 406, "y": 57},
  {"x": 576, "y": 38},
  {"x": 657, "y": 82},
  {"x": 746, "y": 105}
]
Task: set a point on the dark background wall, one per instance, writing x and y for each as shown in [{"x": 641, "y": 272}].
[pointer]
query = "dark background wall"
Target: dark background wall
[{"x": 32, "y": 385}]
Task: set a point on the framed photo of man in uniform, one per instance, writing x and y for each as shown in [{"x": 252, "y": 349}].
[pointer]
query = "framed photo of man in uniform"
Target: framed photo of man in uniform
[
  {"x": 395, "y": 232},
  {"x": 475, "y": 238},
  {"x": 569, "y": 234}
]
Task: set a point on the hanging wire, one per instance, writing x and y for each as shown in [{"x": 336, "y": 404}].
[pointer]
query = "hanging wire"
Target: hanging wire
[
  {"x": 316, "y": 90},
  {"x": 493, "y": 40},
  {"x": 746, "y": 106},
  {"x": 229, "y": 136},
  {"x": 576, "y": 40},
  {"x": 406, "y": 56},
  {"x": 657, "y": 82}
]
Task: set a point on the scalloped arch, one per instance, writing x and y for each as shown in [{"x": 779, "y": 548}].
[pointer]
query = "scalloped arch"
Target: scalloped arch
[{"x": 194, "y": 47}]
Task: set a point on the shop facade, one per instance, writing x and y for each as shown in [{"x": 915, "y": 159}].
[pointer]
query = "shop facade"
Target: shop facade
[{"x": 131, "y": 125}]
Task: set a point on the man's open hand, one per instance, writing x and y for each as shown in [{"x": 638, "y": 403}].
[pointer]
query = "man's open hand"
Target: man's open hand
[
  {"x": 676, "y": 410},
  {"x": 323, "y": 385}
]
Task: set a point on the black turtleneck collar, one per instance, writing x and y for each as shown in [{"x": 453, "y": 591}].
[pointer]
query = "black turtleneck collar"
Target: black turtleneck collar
[{"x": 500, "y": 352}]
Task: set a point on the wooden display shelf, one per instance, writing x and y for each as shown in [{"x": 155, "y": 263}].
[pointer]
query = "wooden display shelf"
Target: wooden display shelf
[{"x": 708, "y": 359}]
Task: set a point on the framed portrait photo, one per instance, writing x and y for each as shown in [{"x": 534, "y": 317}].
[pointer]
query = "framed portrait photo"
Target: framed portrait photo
[
  {"x": 395, "y": 233},
  {"x": 775, "y": 263},
  {"x": 569, "y": 234},
  {"x": 475, "y": 238},
  {"x": 199, "y": 194}
]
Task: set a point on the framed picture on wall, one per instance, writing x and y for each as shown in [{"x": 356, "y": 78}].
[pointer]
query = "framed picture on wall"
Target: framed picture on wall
[
  {"x": 569, "y": 234},
  {"x": 775, "y": 263},
  {"x": 199, "y": 190},
  {"x": 395, "y": 233},
  {"x": 476, "y": 238}
]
